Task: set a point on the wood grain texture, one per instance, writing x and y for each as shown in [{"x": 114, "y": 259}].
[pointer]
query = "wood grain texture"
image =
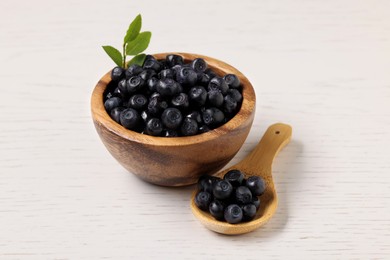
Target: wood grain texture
[
  {"x": 176, "y": 161},
  {"x": 321, "y": 66},
  {"x": 257, "y": 163}
]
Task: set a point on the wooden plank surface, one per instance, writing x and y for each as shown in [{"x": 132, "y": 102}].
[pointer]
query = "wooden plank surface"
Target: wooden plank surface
[{"x": 320, "y": 66}]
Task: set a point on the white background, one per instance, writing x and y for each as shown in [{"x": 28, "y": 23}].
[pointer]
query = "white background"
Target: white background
[{"x": 321, "y": 66}]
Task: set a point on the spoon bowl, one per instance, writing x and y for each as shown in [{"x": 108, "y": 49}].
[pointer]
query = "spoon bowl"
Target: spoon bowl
[{"x": 259, "y": 163}]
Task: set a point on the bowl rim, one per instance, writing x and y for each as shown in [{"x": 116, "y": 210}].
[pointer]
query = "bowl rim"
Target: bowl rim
[{"x": 247, "y": 109}]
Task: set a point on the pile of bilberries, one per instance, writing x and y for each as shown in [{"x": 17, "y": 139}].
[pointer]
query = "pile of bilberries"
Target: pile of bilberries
[
  {"x": 172, "y": 98},
  {"x": 232, "y": 199}
]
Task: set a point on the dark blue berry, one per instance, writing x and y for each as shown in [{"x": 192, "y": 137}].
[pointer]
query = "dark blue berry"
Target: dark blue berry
[
  {"x": 149, "y": 57},
  {"x": 134, "y": 84},
  {"x": 248, "y": 212},
  {"x": 154, "y": 127},
  {"x": 168, "y": 87},
  {"x": 217, "y": 209},
  {"x": 203, "y": 129},
  {"x": 218, "y": 83},
  {"x": 108, "y": 95},
  {"x": 189, "y": 127},
  {"x": 138, "y": 102},
  {"x": 235, "y": 177},
  {"x": 171, "y": 118},
  {"x": 152, "y": 64},
  {"x": 211, "y": 73},
  {"x": 196, "y": 116},
  {"x": 122, "y": 86},
  {"x": 232, "y": 81},
  {"x": 203, "y": 79},
  {"x": 243, "y": 195},
  {"x": 215, "y": 98},
  {"x": 186, "y": 76},
  {"x": 129, "y": 118},
  {"x": 199, "y": 65},
  {"x": 115, "y": 114},
  {"x": 180, "y": 101},
  {"x": 164, "y": 65},
  {"x": 229, "y": 105},
  {"x": 233, "y": 214},
  {"x": 202, "y": 200},
  {"x": 117, "y": 73},
  {"x": 156, "y": 107},
  {"x": 163, "y": 105},
  {"x": 118, "y": 93},
  {"x": 235, "y": 94},
  {"x": 207, "y": 117},
  {"x": 112, "y": 103},
  {"x": 256, "y": 202},
  {"x": 146, "y": 116},
  {"x": 156, "y": 95},
  {"x": 172, "y": 60},
  {"x": 198, "y": 95},
  {"x": 133, "y": 70},
  {"x": 170, "y": 133},
  {"x": 152, "y": 84},
  {"x": 206, "y": 183},
  {"x": 147, "y": 74},
  {"x": 167, "y": 73},
  {"x": 176, "y": 69},
  {"x": 256, "y": 185},
  {"x": 213, "y": 116},
  {"x": 222, "y": 189}
]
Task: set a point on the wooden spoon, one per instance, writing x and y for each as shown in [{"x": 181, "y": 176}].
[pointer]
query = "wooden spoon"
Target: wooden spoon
[{"x": 258, "y": 162}]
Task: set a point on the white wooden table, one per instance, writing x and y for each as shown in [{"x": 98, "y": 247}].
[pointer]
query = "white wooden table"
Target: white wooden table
[{"x": 321, "y": 66}]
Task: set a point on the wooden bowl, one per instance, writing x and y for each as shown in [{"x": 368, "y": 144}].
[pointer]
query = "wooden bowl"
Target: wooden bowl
[{"x": 175, "y": 161}]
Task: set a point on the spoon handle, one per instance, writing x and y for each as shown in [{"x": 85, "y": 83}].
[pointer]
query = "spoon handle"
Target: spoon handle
[{"x": 274, "y": 139}]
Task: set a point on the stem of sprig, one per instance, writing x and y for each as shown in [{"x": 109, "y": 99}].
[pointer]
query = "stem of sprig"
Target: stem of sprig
[
  {"x": 134, "y": 43},
  {"x": 124, "y": 65}
]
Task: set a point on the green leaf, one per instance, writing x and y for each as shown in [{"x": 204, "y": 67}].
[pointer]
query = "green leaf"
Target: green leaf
[
  {"x": 139, "y": 60},
  {"x": 134, "y": 29},
  {"x": 139, "y": 44},
  {"x": 114, "y": 54}
]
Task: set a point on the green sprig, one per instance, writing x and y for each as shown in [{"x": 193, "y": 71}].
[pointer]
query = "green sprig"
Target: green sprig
[{"x": 134, "y": 43}]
